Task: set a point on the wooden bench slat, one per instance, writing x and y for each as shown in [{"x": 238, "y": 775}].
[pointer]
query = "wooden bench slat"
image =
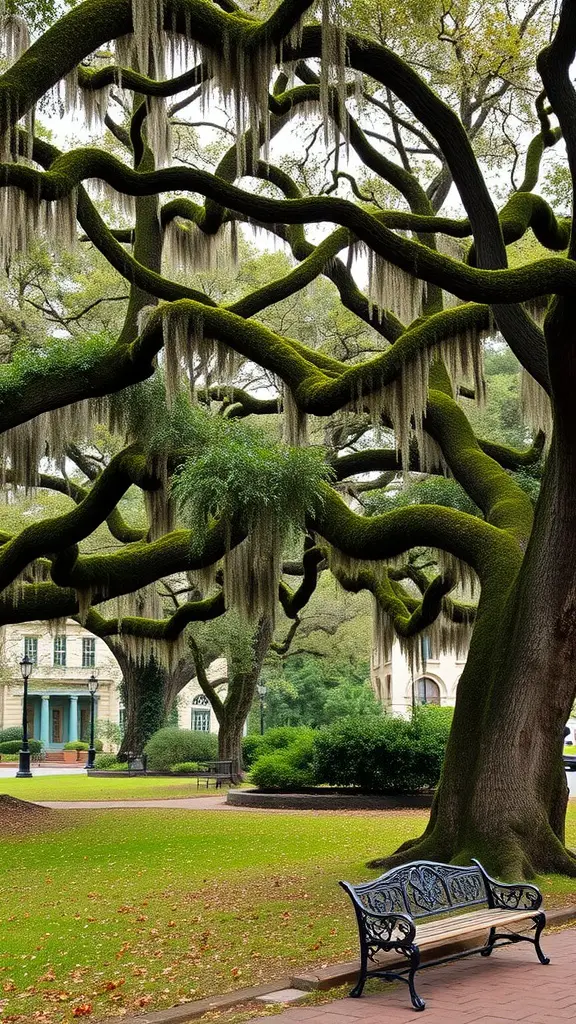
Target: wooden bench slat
[
  {"x": 486, "y": 914},
  {"x": 463, "y": 926},
  {"x": 480, "y": 917}
]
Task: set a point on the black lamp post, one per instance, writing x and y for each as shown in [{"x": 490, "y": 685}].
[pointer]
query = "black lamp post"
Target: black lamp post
[
  {"x": 24, "y": 756},
  {"x": 262, "y": 691},
  {"x": 92, "y": 685}
]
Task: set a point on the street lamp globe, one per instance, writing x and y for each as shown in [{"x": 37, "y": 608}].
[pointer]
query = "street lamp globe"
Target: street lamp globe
[
  {"x": 92, "y": 685},
  {"x": 26, "y": 668},
  {"x": 261, "y": 690}
]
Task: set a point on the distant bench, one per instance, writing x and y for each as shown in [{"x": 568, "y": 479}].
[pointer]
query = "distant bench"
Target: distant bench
[
  {"x": 219, "y": 771},
  {"x": 387, "y": 910}
]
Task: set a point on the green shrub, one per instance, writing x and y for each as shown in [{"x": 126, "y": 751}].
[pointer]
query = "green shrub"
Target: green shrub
[
  {"x": 251, "y": 748},
  {"x": 171, "y": 746},
  {"x": 286, "y": 768},
  {"x": 12, "y": 732},
  {"x": 186, "y": 766},
  {"x": 82, "y": 745},
  {"x": 255, "y": 746},
  {"x": 103, "y": 762},
  {"x": 389, "y": 755},
  {"x": 13, "y": 746},
  {"x": 9, "y": 757},
  {"x": 431, "y": 718}
]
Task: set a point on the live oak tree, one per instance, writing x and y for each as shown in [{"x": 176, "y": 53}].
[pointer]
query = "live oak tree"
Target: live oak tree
[{"x": 240, "y": 496}]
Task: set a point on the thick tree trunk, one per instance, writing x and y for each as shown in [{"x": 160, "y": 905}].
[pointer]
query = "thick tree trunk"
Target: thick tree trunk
[
  {"x": 242, "y": 678},
  {"x": 144, "y": 688},
  {"x": 149, "y": 693},
  {"x": 502, "y": 797},
  {"x": 230, "y": 737}
]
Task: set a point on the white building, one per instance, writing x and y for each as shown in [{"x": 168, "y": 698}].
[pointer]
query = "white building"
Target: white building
[
  {"x": 58, "y": 699},
  {"x": 398, "y": 689}
]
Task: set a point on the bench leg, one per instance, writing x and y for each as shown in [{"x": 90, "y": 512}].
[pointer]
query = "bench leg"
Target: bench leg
[
  {"x": 359, "y": 986},
  {"x": 540, "y": 920},
  {"x": 490, "y": 943},
  {"x": 417, "y": 1002}
]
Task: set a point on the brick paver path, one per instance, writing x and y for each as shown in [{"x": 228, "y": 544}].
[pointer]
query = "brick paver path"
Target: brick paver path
[
  {"x": 193, "y": 803},
  {"x": 508, "y": 986}
]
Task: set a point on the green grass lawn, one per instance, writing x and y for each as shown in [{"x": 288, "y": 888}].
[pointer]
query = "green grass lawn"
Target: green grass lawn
[
  {"x": 80, "y": 787},
  {"x": 111, "y": 912}
]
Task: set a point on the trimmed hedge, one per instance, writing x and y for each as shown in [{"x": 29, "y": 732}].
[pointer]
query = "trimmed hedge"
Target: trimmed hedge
[
  {"x": 255, "y": 746},
  {"x": 186, "y": 766},
  {"x": 387, "y": 755},
  {"x": 108, "y": 762},
  {"x": 11, "y": 732},
  {"x": 288, "y": 768},
  {"x": 13, "y": 746},
  {"x": 171, "y": 746},
  {"x": 81, "y": 745}
]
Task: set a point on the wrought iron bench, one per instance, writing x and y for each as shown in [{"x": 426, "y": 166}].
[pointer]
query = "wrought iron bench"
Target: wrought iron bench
[
  {"x": 136, "y": 763},
  {"x": 219, "y": 771},
  {"x": 388, "y": 908}
]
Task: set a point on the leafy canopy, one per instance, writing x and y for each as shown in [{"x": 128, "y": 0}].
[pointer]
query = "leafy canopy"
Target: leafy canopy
[{"x": 235, "y": 473}]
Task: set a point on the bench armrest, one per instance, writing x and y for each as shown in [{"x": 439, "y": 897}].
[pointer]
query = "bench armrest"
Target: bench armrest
[
  {"x": 515, "y": 896},
  {"x": 386, "y": 929}
]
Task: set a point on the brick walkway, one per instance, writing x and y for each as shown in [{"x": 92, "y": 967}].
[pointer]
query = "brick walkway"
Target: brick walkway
[
  {"x": 508, "y": 986},
  {"x": 194, "y": 803}
]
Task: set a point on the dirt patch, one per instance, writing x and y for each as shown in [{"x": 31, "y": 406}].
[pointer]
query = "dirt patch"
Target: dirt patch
[{"x": 20, "y": 817}]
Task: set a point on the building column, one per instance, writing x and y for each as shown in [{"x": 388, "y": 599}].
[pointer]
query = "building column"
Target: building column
[
  {"x": 45, "y": 719},
  {"x": 73, "y": 719}
]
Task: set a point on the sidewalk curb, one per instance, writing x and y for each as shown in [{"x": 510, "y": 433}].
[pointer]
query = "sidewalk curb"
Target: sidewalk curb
[
  {"x": 321, "y": 980},
  {"x": 191, "y": 1011}
]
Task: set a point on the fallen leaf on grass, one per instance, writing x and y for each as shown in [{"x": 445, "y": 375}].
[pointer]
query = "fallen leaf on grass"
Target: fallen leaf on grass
[
  {"x": 144, "y": 1001},
  {"x": 83, "y": 1010}
]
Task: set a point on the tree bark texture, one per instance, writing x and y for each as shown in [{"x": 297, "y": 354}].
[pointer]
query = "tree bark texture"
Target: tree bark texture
[{"x": 503, "y": 794}]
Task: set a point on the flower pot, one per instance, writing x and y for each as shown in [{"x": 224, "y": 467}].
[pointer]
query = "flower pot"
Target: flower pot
[
  {"x": 82, "y": 756},
  {"x": 69, "y": 756}
]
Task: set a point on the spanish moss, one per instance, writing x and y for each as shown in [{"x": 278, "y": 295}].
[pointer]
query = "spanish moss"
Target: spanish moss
[
  {"x": 15, "y": 36},
  {"x": 389, "y": 287},
  {"x": 188, "y": 249},
  {"x": 295, "y": 422},
  {"x": 464, "y": 359},
  {"x": 535, "y": 405},
  {"x": 252, "y": 572}
]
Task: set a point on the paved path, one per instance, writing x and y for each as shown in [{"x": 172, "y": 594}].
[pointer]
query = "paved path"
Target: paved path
[
  {"x": 8, "y": 771},
  {"x": 195, "y": 803},
  {"x": 509, "y": 986}
]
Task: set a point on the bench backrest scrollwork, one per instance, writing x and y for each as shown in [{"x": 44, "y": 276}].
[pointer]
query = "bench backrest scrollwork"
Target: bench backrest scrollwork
[{"x": 423, "y": 889}]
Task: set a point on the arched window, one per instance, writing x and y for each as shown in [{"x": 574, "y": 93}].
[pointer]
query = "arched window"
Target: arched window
[
  {"x": 427, "y": 691},
  {"x": 201, "y": 713}
]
